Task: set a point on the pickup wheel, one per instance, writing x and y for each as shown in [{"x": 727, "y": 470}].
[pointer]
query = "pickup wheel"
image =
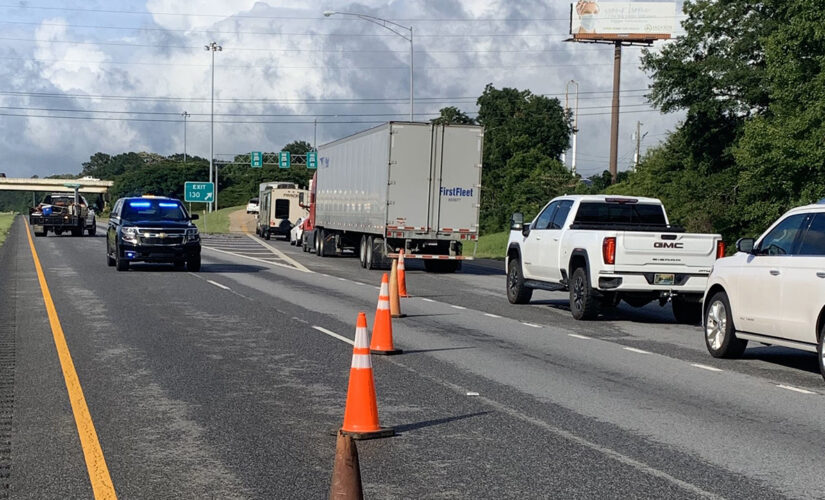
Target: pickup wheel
[
  {"x": 517, "y": 291},
  {"x": 820, "y": 350},
  {"x": 92, "y": 230},
  {"x": 720, "y": 334},
  {"x": 686, "y": 312},
  {"x": 583, "y": 304}
]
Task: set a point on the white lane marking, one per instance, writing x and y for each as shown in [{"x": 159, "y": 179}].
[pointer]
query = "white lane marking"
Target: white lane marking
[
  {"x": 427, "y": 300},
  {"x": 565, "y": 434},
  {"x": 280, "y": 254},
  {"x": 489, "y": 315},
  {"x": 706, "y": 367},
  {"x": 472, "y": 394},
  {"x": 218, "y": 284},
  {"x": 270, "y": 262},
  {"x": 342, "y": 279},
  {"x": 458, "y": 307},
  {"x": 795, "y": 389},
  {"x": 296, "y": 318},
  {"x": 639, "y": 351},
  {"x": 531, "y": 325},
  {"x": 577, "y": 336},
  {"x": 334, "y": 335},
  {"x": 359, "y": 283}
]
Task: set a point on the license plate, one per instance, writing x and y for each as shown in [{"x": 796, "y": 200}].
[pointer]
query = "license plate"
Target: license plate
[{"x": 664, "y": 279}]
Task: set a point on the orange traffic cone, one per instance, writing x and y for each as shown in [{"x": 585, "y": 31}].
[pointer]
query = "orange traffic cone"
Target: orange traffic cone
[
  {"x": 346, "y": 473},
  {"x": 402, "y": 276},
  {"x": 381, "y": 342},
  {"x": 395, "y": 302},
  {"x": 361, "y": 414}
]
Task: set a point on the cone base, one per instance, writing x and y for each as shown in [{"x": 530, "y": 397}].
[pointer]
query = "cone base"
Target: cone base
[
  {"x": 399, "y": 315},
  {"x": 383, "y": 432},
  {"x": 386, "y": 353}
]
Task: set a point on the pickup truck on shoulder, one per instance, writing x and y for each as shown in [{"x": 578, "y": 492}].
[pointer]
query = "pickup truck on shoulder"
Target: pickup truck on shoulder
[
  {"x": 63, "y": 212},
  {"x": 604, "y": 249}
]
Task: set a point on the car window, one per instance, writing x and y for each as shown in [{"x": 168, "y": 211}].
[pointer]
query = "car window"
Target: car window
[
  {"x": 620, "y": 213},
  {"x": 546, "y": 216},
  {"x": 813, "y": 243},
  {"x": 153, "y": 210},
  {"x": 561, "y": 214},
  {"x": 781, "y": 239},
  {"x": 116, "y": 210}
]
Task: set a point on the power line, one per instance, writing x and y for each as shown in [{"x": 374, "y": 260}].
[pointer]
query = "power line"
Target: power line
[{"x": 290, "y": 18}]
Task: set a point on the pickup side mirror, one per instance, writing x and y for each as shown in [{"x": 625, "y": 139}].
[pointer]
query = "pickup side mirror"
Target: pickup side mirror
[
  {"x": 745, "y": 245},
  {"x": 525, "y": 230},
  {"x": 194, "y": 217},
  {"x": 516, "y": 221}
]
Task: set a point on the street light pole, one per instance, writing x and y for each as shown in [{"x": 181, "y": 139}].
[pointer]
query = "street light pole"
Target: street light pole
[
  {"x": 394, "y": 27},
  {"x": 212, "y": 47},
  {"x": 185, "y": 115},
  {"x": 575, "y": 124}
]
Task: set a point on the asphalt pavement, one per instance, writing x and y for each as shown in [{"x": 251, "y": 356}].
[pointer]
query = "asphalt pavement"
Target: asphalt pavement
[{"x": 231, "y": 382}]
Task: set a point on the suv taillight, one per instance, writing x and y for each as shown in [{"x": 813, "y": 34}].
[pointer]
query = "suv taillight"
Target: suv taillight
[
  {"x": 609, "y": 250},
  {"x": 720, "y": 249}
]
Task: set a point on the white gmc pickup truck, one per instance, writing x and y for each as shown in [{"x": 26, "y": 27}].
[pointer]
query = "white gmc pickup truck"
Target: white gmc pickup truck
[{"x": 604, "y": 249}]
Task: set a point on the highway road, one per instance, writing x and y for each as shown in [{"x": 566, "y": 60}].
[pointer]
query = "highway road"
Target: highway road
[{"x": 231, "y": 382}]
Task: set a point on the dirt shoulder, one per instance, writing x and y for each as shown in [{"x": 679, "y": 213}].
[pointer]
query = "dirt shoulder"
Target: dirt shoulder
[{"x": 241, "y": 222}]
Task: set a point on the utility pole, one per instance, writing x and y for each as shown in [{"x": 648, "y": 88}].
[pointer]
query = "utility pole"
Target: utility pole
[
  {"x": 575, "y": 122},
  {"x": 614, "y": 119},
  {"x": 185, "y": 115},
  {"x": 212, "y": 47},
  {"x": 638, "y": 136},
  {"x": 315, "y": 136}
]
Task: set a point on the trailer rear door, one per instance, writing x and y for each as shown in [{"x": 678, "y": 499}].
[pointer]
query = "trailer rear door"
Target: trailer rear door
[
  {"x": 409, "y": 179},
  {"x": 456, "y": 188}
]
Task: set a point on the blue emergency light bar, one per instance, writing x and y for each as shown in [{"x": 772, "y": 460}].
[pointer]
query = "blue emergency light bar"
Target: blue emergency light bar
[
  {"x": 168, "y": 205},
  {"x": 140, "y": 204}
]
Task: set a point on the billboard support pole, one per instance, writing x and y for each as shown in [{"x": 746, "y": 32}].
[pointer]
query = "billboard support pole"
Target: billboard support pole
[{"x": 614, "y": 119}]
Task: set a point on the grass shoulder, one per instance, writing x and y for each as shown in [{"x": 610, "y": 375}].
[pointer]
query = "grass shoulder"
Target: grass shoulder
[
  {"x": 6, "y": 220},
  {"x": 215, "y": 222},
  {"x": 493, "y": 245}
]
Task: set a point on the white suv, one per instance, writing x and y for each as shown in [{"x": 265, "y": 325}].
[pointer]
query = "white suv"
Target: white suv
[{"x": 773, "y": 290}]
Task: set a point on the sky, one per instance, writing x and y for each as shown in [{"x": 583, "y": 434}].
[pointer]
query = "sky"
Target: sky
[{"x": 115, "y": 76}]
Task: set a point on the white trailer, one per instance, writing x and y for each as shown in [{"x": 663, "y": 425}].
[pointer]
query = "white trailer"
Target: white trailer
[
  {"x": 405, "y": 185},
  {"x": 279, "y": 208}
]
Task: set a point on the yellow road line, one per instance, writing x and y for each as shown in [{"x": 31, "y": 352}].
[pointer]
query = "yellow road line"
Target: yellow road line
[{"x": 95, "y": 463}]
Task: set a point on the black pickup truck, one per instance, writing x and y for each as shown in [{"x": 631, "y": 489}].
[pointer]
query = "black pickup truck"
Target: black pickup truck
[{"x": 63, "y": 212}]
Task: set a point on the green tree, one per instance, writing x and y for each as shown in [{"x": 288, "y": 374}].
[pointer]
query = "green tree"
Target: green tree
[
  {"x": 453, "y": 116},
  {"x": 519, "y": 127}
]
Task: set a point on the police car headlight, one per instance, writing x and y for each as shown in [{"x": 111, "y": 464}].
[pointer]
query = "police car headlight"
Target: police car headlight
[
  {"x": 130, "y": 234},
  {"x": 192, "y": 234}
]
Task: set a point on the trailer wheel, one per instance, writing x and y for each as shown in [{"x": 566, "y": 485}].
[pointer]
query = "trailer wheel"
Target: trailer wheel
[
  {"x": 362, "y": 251},
  {"x": 92, "y": 230},
  {"x": 369, "y": 255},
  {"x": 267, "y": 236},
  {"x": 316, "y": 243},
  {"x": 320, "y": 236}
]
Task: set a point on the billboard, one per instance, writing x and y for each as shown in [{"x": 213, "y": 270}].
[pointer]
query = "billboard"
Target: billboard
[{"x": 594, "y": 20}]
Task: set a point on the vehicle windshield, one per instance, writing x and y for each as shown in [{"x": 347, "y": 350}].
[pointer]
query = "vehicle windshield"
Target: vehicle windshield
[{"x": 154, "y": 210}]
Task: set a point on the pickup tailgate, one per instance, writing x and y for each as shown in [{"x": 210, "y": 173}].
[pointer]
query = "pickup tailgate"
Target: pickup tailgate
[{"x": 668, "y": 252}]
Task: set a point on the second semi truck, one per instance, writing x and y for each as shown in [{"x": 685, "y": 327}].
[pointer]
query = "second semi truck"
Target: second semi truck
[{"x": 405, "y": 185}]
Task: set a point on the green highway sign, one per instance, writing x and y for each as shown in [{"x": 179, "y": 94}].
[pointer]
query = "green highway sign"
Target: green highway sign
[
  {"x": 284, "y": 159},
  {"x": 194, "y": 192},
  {"x": 312, "y": 159},
  {"x": 256, "y": 159}
]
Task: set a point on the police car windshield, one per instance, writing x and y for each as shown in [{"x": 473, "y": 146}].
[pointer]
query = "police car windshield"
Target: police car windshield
[{"x": 153, "y": 210}]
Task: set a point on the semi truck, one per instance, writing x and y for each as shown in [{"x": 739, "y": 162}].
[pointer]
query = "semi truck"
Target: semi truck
[
  {"x": 279, "y": 208},
  {"x": 400, "y": 185}
]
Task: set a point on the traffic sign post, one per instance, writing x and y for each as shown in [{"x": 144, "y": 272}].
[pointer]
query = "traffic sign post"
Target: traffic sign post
[
  {"x": 284, "y": 159},
  {"x": 312, "y": 159},
  {"x": 256, "y": 159}
]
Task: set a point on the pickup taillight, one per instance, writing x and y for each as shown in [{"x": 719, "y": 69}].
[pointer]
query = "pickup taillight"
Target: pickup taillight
[
  {"x": 720, "y": 249},
  {"x": 609, "y": 250}
]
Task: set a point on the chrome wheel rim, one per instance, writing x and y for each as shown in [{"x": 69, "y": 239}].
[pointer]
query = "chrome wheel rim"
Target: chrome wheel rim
[{"x": 716, "y": 325}]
